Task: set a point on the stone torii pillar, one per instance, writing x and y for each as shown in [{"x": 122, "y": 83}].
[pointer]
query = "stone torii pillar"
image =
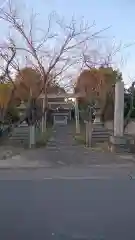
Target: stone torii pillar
[
  {"x": 118, "y": 139},
  {"x": 43, "y": 120},
  {"x": 119, "y": 109},
  {"x": 77, "y": 116}
]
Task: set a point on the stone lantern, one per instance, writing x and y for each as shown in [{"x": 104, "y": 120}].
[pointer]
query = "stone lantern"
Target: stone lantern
[
  {"x": 97, "y": 108},
  {"x": 22, "y": 108}
]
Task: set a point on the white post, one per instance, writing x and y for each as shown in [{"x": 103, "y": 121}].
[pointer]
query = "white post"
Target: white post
[
  {"x": 43, "y": 121},
  {"x": 42, "y": 124},
  {"x": 119, "y": 109},
  {"x": 88, "y": 134},
  {"x": 77, "y": 116},
  {"x": 118, "y": 141},
  {"x": 54, "y": 120},
  {"x": 32, "y": 136},
  {"x": 70, "y": 114}
]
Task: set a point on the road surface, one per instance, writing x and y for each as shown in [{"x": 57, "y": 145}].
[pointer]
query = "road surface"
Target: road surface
[{"x": 84, "y": 207}]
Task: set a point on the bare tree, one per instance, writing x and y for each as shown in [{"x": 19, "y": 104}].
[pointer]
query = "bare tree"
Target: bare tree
[
  {"x": 103, "y": 52},
  {"x": 57, "y": 50},
  {"x": 6, "y": 57}
]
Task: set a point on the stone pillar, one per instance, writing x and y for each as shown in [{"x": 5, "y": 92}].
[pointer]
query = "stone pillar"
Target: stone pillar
[
  {"x": 118, "y": 141},
  {"x": 88, "y": 135},
  {"x": 43, "y": 121},
  {"x": 77, "y": 116},
  {"x": 70, "y": 114},
  {"x": 119, "y": 109},
  {"x": 32, "y": 136}
]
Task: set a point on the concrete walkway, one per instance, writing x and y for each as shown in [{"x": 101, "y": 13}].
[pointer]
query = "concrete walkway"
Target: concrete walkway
[{"x": 62, "y": 150}]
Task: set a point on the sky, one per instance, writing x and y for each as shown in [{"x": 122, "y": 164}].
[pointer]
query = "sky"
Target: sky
[{"x": 118, "y": 15}]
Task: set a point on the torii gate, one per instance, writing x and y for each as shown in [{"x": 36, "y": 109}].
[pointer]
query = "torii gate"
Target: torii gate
[{"x": 64, "y": 96}]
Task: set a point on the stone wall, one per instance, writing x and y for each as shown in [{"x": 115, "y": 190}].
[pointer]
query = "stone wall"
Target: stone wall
[{"x": 130, "y": 129}]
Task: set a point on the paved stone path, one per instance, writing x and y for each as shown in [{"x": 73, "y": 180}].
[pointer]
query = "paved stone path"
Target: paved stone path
[{"x": 63, "y": 150}]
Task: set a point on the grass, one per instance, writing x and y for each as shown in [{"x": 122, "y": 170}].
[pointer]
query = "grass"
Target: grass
[
  {"x": 101, "y": 147},
  {"x": 80, "y": 139},
  {"x": 98, "y": 147},
  {"x": 44, "y": 137}
]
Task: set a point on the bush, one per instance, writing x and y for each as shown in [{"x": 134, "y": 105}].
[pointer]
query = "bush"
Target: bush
[
  {"x": 12, "y": 115},
  {"x": 44, "y": 138}
]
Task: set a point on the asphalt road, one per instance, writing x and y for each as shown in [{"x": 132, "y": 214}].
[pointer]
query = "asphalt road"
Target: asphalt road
[{"x": 67, "y": 208}]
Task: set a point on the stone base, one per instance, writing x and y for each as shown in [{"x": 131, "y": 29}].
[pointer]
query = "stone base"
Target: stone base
[
  {"x": 120, "y": 144},
  {"x": 116, "y": 140}
]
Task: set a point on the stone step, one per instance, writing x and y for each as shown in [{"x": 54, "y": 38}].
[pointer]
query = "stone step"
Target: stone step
[
  {"x": 20, "y": 135},
  {"x": 101, "y": 131},
  {"x": 19, "y": 139},
  {"x": 99, "y": 141},
  {"x": 100, "y": 134},
  {"x": 100, "y": 137},
  {"x": 20, "y": 131}
]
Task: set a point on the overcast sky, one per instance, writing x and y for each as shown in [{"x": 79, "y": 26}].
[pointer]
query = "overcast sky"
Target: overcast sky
[{"x": 117, "y": 14}]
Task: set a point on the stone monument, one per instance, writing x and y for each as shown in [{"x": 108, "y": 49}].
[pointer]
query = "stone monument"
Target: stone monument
[
  {"x": 118, "y": 141},
  {"x": 77, "y": 117},
  {"x": 119, "y": 109}
]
